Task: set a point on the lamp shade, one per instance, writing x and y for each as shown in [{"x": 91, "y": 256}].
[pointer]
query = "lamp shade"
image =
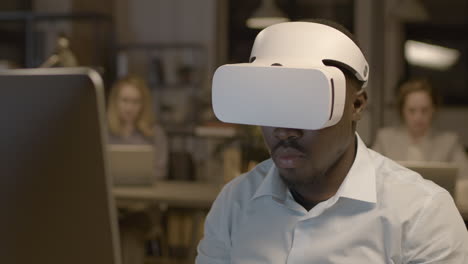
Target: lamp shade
[{"x": 266, "y": 15}]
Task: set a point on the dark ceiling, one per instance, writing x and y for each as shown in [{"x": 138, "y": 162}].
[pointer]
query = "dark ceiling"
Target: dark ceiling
[{"x": 241, "y": 38}]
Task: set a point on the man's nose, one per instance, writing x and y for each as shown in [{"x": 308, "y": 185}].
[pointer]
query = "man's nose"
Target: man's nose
[{"x": 287, "y": 133}]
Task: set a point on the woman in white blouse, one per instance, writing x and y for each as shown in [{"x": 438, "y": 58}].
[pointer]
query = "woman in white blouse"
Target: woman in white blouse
[{"x": 415, "y": 139}]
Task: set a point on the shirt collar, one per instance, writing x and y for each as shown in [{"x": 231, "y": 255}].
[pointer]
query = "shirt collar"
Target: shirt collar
[
  {"x": 272, "y": 185},
  {"x": 359, "y": 184}
]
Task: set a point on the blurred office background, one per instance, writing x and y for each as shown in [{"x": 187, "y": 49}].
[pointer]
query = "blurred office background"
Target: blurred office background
[
  {"x": 181, "y": 42},
  {"x": 177, "y": 44}
]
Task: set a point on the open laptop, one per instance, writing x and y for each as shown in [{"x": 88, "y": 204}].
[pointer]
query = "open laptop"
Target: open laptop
[
  {"x": 131, "y": 165},
  {"x": 55, "y": 197},
  {"x": 442, "y": 173}
]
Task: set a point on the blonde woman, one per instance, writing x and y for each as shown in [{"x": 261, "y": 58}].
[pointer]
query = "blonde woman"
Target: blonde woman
[
  {"x": 131, "y": 120},
  {"x": 416, "y": 139}
]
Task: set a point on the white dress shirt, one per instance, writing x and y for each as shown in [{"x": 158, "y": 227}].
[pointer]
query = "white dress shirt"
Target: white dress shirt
[{"x": 382, "y": 213}]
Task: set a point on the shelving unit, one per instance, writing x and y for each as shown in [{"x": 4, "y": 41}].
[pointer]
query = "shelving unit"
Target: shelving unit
[
  {"x": 175, "y": 73},
  {"x": 31, "y": 19}
]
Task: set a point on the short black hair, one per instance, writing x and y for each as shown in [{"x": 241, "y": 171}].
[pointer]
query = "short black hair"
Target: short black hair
[
  {"x": 336, "y": 26},
  {"x": 347, "y": 72}
]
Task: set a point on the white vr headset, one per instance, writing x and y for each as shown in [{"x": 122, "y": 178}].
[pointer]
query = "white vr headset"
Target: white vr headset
[{"x": 287, "y": 83}]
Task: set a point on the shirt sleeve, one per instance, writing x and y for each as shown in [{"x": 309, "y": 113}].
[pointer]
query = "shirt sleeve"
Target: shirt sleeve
[
  {"x": 437, "y": 234},
  {"x": 214, "y": 248}
]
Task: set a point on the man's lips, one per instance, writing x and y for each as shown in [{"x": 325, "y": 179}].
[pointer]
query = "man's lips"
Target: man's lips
[{"x": 288, "y": 158}]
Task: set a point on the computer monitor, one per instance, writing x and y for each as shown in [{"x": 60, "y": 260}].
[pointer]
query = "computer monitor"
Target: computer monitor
[
  {"x": 55, "y": 197},
  {"x": 442, "y": 173}
]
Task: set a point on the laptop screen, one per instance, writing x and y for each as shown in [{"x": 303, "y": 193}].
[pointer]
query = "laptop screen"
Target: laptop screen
[
  {"x": 131, "y": 164},
  {"x": 442, "y": 173}
]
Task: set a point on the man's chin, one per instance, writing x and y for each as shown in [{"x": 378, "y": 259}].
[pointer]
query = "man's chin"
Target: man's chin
[{"x": 297, "y": 177}]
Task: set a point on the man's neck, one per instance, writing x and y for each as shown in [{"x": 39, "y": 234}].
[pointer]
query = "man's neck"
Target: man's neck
[{"x": 310, "y": 195}]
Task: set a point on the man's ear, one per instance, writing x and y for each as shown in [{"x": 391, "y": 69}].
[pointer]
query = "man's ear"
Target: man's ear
[{"x": 359, "y": 104}]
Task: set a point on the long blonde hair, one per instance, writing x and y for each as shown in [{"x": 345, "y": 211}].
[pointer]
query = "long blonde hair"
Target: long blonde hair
[{"x": 146, "y": 118}]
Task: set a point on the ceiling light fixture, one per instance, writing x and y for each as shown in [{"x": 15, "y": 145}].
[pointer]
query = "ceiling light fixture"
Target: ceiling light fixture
[
  {"x": 430, "y": 56},
  {"x": 266, "y": 15}
]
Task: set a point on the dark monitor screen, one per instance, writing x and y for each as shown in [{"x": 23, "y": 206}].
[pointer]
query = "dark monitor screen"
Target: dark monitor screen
[{"x": 55, "y": 197}]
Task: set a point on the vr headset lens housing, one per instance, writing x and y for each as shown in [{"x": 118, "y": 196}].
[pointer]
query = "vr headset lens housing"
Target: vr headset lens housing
[
  {"x": 288, "y": 84},
  {"x": 279, "y": 97}
]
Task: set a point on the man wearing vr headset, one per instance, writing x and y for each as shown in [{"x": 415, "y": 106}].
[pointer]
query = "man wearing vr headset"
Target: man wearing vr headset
[{"x": 323, "y": 197}]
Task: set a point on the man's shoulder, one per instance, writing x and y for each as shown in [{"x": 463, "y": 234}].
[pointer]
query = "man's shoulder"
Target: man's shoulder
[{"x": 398, "y": 184}]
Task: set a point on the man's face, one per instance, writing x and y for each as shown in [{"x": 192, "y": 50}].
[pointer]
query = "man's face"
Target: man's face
[{"x": 305, "y": 156}]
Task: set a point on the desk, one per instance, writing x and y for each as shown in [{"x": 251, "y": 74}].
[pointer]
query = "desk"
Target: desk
[{"x": 174, "y": 194}]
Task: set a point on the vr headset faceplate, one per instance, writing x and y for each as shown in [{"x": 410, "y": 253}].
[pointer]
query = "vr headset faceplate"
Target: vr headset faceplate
[
  {"x": 304, "y": 98},
  {"x": 287, "y": 83}
]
